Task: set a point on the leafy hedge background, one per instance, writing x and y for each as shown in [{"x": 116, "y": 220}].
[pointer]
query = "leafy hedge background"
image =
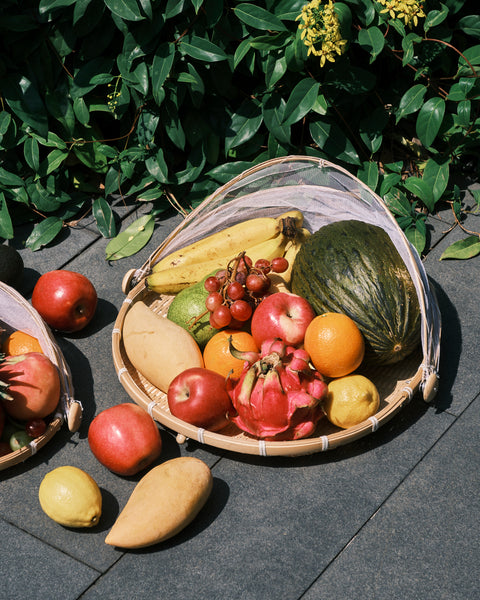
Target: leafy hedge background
[{"x": 166, "y": 100}]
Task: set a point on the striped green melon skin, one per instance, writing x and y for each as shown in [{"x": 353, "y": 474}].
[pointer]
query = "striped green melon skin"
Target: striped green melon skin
[{"x": 354, "y": 268}]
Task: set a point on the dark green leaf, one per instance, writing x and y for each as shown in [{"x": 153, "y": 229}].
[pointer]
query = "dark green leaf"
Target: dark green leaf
[
  {"x": 10, "y": 179},
  {"x": 368, "y": 173},
  {"x": 244, "y": 124},
  {"x": 372, "y": 41},
  {"x": 411, "y": 101},
  {"x": 103, "y": 215},
  {"x": 54, "y": 159},
  {"x": 301, "y": 100},
  {"x": 157, "y": 167},
  {"x": 464, "y": 113},
  {"x": 435, "y": 17},
  {"x": 196, "y": 5},
  {"x": 44, "y": 232},
  {"x": 25, "y": 101},
  {"x": 429, "y": 120},
  {"x": 81, "y": 111},
  {"x": 463, "y": 249},
  {"x": 273, "y": 113},
  {"x": 331, "y": 139},
  {"x": 408, "y": 47},
  {"x": 203, "y": 49},
  {"x": 160, "y": 70},
  {"x": 5, "y": 120},
  {"x": 371, "y": 128},
  {"x": 421, "y": 189},
  {"x": 31, "y": 153},
  {"x": 416, "y": 234},
  {"x": 113, "y": 180},
  {"x": 258, "y": 17},
  {"x": 389, "y": 181},
  {"x": 125, "y": 9},
  {"x": 45, "y": 6},
  {"x": 241, "y": 51},
  {"x": 460, "y": 90},
  {"x": 470, "y": 25},
  {"x": 222, "y": 173},
  {"x": 398, "y": 203},
  {"x": 435, "y": 176},
  {"x": 6, "y": 227},
  {"x": 275, "y": 69},
  {"x": 472, "y": 55},
  {"x": 132, "y": 239}
]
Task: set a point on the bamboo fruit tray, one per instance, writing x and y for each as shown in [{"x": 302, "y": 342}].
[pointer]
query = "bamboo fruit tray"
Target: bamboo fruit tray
[
  {"x": 324, "y": 193},
  {"x": 17, "y": 313}
]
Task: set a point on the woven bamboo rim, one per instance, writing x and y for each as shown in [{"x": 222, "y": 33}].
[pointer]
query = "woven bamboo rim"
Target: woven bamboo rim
[
  {"x": 397, "y": 384},
  {"x": 68, "y": 409}
]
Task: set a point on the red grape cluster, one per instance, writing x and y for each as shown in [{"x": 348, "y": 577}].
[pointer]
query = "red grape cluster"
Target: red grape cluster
[{"x": 234, "y": 292}]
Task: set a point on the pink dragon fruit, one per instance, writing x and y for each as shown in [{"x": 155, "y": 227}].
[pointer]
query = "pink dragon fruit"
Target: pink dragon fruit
[{"x": 278, "y": 395}]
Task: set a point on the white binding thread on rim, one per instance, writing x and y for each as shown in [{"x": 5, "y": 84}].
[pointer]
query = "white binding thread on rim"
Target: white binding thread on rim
[
  {"x": 408, "y": 390},
  {"x": 33, "y": 446},
  {"x": 262, "y": 448},
  {"x": 200, "y": 437},
  {"x": 127, "y": 300},
  {"x": 150, "y": 407},
  {"x": 58, "y": 415},
  {"x": 324, "y": 439},
  {"x": 116, "y": 330},
  {"x": 374, "y": 422},
  {"x": 122, "y": 371}
]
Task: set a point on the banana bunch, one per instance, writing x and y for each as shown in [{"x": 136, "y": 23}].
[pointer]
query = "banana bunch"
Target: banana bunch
[
  {"x": 262, "y": 237},
  {"x": 280, "y": 282}
]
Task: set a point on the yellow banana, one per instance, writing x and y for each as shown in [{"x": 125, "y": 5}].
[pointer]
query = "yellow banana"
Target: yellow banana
[
  {"x": 171, "y": 281},
  {"x": 232, "y": 240},
  {"x": 280, "y": 282},
  {"x": 268, "y": 249}
]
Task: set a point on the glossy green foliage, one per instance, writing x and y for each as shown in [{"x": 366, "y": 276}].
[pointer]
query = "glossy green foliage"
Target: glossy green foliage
[{"x": 165, "y": 101}]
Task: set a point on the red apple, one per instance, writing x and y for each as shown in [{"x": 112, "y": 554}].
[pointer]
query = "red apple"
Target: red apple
[
  {"x": 66, "y": 300},
  {"x": 199, "y": 397},
  {"x": 33, "y": 386},
  {"x": 281, "y": 315},
  {"x": 125, "y": 439}
]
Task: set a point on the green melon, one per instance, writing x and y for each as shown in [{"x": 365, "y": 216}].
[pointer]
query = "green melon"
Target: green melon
[{"x": 354, "y": 268}]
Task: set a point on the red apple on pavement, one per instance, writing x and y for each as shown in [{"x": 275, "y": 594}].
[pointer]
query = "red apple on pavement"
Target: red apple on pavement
[
  {"x": 281, "y": 315},
  {"x": 199, "y": 397},
  {"x": 66, "y": 300},
  {"x": 125, "y": 439}
]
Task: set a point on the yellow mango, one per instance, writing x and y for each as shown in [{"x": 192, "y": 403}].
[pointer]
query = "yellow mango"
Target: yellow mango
[
  {"x": 163, "y": 503},
  {"x": 157, "y": 347}
]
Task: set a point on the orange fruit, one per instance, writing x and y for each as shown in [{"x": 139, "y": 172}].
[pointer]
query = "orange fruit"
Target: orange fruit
[
  {"x": 20, "y": 342},
  {"x": 335, "y": 344},
  {"x": 216, "y": 354}
]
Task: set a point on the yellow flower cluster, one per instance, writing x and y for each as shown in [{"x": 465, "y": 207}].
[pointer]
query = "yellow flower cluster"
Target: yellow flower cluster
[
  {"x": 408, "y": 10},
  {"x": 114, "y": 95},
  {"x": 320, "y": 27}
]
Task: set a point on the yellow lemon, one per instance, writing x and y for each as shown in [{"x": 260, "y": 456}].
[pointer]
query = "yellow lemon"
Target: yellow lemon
[
  {"x": 71, "y": 497},
  {"x": 351, "y": 400}
]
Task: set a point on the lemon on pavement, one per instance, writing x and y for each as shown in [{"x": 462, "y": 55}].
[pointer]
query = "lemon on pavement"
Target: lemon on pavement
[
  {"x": 71, "y": 497},
  {"x": 351, "y": 400}
]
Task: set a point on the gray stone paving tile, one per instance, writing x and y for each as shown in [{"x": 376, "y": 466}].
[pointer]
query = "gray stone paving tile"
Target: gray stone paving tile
[
  {"x": 424, "y": 542},
  {"x": 72, "y": 241},
  {"x": 96, "y": 384},
  {"x": 457, "y": 285},
  {"x": 273, "y": 524},
  {"x": 32, "y": 570}
]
